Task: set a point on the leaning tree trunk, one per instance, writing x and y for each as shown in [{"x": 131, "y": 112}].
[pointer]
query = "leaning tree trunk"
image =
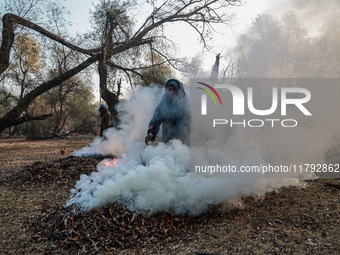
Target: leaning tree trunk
[{"x": 13, "y": 116}]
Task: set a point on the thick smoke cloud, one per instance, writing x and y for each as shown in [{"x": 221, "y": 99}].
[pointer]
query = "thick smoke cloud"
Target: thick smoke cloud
[
  {"x": 163, "y": 183},
  {"x": 274, "y": 47},
  {"x": 299, "y": 39}
]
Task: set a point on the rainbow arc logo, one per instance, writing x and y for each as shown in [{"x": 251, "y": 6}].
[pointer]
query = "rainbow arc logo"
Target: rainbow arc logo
[
  {"x": 209, "y": 93},
  {"x": 204, "y": 97}
]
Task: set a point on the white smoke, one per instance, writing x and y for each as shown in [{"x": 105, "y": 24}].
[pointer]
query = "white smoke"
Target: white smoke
[
  {"x": 163, "y": 183},
  {"x": 135, "y": 112},
  {"x": 314, "y": 14}
]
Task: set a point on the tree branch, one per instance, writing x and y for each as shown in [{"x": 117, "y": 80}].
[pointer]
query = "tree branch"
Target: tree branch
[
  {"x": 8, "y": 21},
  {"x": 27, "y": 118},
  {"x": 27, "y": 100}
]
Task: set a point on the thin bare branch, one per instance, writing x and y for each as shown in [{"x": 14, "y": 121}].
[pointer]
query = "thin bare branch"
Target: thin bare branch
[{"x": 8, "y": 37}]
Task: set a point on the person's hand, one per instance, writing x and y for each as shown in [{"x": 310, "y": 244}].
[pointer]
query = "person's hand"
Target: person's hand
[{"x": 148, "y": 138}]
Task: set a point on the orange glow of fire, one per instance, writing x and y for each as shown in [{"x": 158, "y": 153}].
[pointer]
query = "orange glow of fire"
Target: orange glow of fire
[{"x": 112, "y": 163}]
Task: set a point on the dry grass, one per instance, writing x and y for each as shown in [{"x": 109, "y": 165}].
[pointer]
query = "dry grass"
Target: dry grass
[{"x": 16, "y": 153}]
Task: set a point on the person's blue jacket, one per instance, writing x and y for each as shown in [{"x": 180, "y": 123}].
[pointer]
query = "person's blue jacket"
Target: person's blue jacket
[{"x": 173, "y": 114}]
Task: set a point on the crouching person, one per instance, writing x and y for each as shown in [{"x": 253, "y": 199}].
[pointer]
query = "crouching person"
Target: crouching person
[{"x": 173, "y": 113}]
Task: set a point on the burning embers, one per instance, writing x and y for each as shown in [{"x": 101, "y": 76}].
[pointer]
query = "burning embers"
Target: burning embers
[{"x": 109, "y": 163}]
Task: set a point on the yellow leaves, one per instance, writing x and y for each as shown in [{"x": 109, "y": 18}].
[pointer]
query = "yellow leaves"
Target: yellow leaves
[{"x": 28, "y": 52}]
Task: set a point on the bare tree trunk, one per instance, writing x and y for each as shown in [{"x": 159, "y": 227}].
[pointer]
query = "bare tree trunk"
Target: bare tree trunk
[
  {"x": 109, "y": 97},
  {"x": 62, "y": 125},
  {"x": 216, "y": 66},
  {"x": 7, "y": 42}
]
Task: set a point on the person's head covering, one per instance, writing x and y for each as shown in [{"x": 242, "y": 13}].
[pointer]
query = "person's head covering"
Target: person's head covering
[
  {"x": 178, "y": 85},
  {"x": 102, "y": 113},
  {"x": 172, "y": 107},
  {"x": 103, "y": 106},
  {"x": 174, "y": 82}
]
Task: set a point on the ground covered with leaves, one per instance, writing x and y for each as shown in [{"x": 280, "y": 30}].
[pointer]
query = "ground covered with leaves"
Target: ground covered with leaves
[{"x": 33, "y": 220}]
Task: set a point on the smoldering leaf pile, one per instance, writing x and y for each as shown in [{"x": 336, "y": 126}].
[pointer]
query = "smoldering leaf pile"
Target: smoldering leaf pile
[{"x": 113, "y": 227}]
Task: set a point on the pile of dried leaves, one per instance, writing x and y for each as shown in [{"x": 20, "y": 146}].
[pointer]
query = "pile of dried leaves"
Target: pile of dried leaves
[
  {"x": 102, "y": 229},
  {"x": 58, "y": 173},
  {"x": 294, "y": 220},
  {"x": 112, "y": 227}
]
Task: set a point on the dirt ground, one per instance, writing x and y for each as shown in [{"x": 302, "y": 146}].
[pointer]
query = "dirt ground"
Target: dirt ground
[
  {"x": 294, "y": 220},
  {"x": 16, "y": 204},
  {"x": 15, "y": 153}
]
